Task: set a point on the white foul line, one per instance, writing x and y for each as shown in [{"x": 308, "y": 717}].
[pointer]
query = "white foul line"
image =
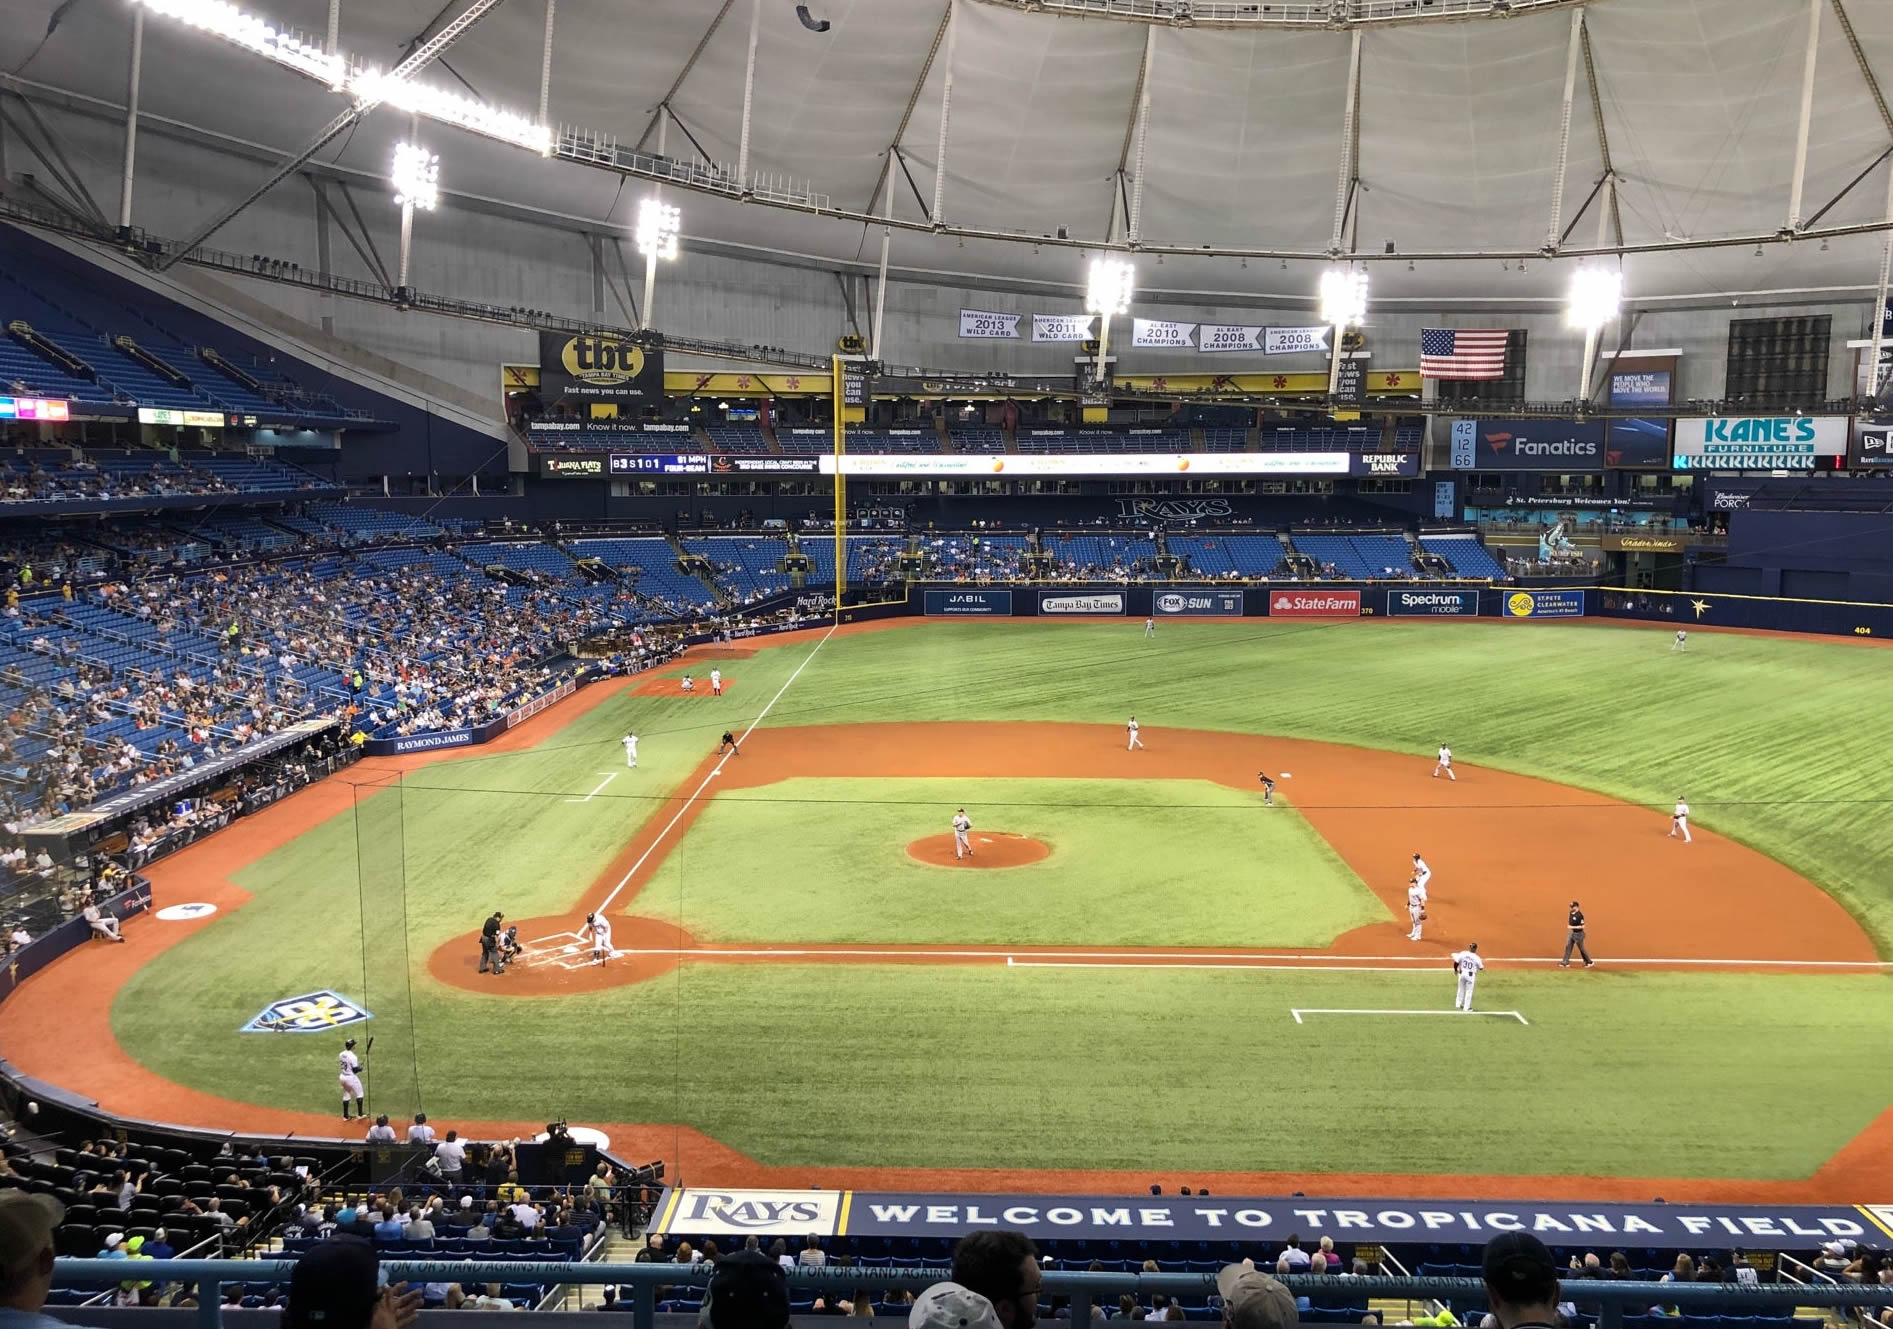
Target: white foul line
[
  {"x": 715, "y": 771},
  {"x": 1299, "y": 1011},
  {"x": 1012, "y": 962},
  {"x": 594, "y": 793}
]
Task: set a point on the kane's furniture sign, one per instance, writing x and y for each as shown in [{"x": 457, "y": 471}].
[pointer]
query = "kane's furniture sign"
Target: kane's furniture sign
[
  {"x": 1314, "y": 604},
  {"x": 982, "y": 324},
  {"x": 1056, "y": 602},
  {"x": 968, "y": 604},
  {"x": 1544, "y": 604},
  {"x": 693, "y": 1212},
  {"x": 1757, "y": 442}
]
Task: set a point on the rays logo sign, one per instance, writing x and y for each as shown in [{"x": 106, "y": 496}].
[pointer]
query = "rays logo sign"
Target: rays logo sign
[
  {"x": 311, "y": 1013},
  {"x": 604, "y": 370}
]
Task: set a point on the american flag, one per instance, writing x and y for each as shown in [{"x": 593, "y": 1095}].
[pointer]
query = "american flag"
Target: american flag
[{"x": 1456, "y": 353}]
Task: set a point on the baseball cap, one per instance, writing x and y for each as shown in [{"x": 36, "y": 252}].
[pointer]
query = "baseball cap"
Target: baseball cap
[
  {"x": 951, "y": 1306},
  {"x": 334, "y": 1286},
  {"x": 1253, "y": 1300},
  {"x": 747, "y": 1291},
  {"x": 114, "y": 1240},
  {"x": 1517, "y": 1265},
  {"x": 26, "y": 1226}
]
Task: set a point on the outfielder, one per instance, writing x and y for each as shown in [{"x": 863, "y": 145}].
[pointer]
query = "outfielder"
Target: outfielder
[
  {"x": 716, "y": 682},
  {"x": 600, "y": 929},
  {"x": 1131, "y": 729},
  {"x": 1150, "y": 627},
  {"x": 1679, "y": 821},
  {"x": 351, "y": 1080},
  {"x": 1574, "y": 937},
  {"x": 1445, "y": 763},
  {"x": 1681, "y": 643},
  {"x": 962, "y": 844},
  {"x": 1416, "y": 908},
  {"x": 1467, "y": 965},
  {"x": 631, "y": 750}
]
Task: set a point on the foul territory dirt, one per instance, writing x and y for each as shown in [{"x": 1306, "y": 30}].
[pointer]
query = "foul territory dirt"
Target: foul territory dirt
[
  {"x": 1508, "y": 854},
  {"x": 990, "y": 849}
]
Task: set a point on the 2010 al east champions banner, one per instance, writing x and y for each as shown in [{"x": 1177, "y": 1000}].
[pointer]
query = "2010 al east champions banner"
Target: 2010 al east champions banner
[{"x": 584, "y": 370}]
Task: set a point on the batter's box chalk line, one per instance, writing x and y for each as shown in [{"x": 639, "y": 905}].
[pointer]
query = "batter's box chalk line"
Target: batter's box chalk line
[{"x": 1299, "y": 1011}]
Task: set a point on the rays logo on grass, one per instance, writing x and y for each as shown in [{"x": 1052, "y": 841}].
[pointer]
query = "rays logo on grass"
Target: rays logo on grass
[{"x": 311, "y": 1013}]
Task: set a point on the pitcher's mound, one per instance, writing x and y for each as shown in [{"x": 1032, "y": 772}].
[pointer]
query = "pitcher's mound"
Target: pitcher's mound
[{"x": 991, "y": 849}]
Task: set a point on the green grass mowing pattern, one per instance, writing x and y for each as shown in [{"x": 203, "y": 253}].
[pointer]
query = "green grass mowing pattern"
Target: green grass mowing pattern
[
  {"x": 1775, "y": 742},
  {"x": 1156, "y": 863}
]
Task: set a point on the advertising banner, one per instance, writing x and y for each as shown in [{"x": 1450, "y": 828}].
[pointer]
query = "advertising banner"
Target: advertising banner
[
  {"x": 660, "y": 463},
  {"x": 603, "y": 370},
  {"x": 1642, "y": 544},
  {"x": 447, "y": 738},
  {"x": 981, "y": 323},
  {"x": 572, "y": 468},
  {"x": 1062, "y": 327},
  {"x": 1441, "y": 604},
  {"x": 695, "y": 1212},
  {"x": 1314, "y": 604},
  {"x": 1062, "y": 602},
  {"x": 962, "y": 604},
  {"x": 1162, "y": 333},
  {"x": 1406, "y": 464},
  {"x": 1533, "y": 445},
  {"x": 1289, "y": 341},
  {"x": 1229, "y": 337},
  {"x": 743, "y": 465},
  {"x": 1197, "y": 604},
  {"x": 983, "y": 466},
  {"x": 1640, "y": 388},
  {"x": 1758, "y": 442},
  {"x": 1544, "y": 604},
  {"x": 1638, "y": 444},
  {"x": 36, "y": 408},
  {"x": 1873, "y": 445},
  {"x": 1445, "y": 500}
]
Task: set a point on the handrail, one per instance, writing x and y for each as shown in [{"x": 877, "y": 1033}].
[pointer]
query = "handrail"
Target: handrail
[{"x": 1082, "y": 1288}]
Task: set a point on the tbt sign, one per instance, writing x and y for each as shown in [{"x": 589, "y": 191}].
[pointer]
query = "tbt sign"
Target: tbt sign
[
  {"x": 1058, "y": 602},
  {"x": 606, "y": 370},
  {"x": 1314, "y": 604}
]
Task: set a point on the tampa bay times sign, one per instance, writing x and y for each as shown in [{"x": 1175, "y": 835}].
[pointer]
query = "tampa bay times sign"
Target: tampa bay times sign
[{"x": 582, "y": 370}]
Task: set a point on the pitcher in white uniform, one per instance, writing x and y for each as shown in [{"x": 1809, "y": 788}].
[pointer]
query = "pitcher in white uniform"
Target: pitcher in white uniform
[
  {"x": 631, "y": 750},
  {"x": 1467, "y": 965},
  {"x": 962, "y": 844},
  {"x": 1679, "y": 821},
  {"x": 716, "y": 682}
]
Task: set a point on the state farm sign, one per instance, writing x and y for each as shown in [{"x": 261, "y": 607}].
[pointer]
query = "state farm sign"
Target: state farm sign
[{"x": 1314, "y": 604}]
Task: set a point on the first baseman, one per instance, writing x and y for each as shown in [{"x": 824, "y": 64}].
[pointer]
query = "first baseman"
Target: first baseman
[
  {"x": 1445, "y": 763},
  {"x": 351, "y": 1079},
  {"x": 1416, "y": 908},
  {"x": 1467, "y": 965},
  {"x": 962, "y": 845},
  {"x": 1131, "y": 729},
  {"x": 600, "y": 928},
  {"x": 1679, "y": 821}
]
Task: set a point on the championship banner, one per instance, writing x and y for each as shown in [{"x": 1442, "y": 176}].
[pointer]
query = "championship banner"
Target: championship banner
[
  {"x": 693, "y": 1212},
  {"x": 602, "y": 370},
  {"x": 1434, "y": 604},
  {"x": 1197, "y": 604},
  {"x": 1290, "y": 341},
  {"x": 1544, "y": 604},
  {"x": 1229, "y": 337},
  {"x": 1062, "y": 327},
  {"x": 967, "y": 604},
  {"x": 1873, "y": 445},
  {"x": 1162, "y": 333},
  {"x": 1314, "y": 604},
  {"x": 1294, "y": 383},
  {"x": 1758, "y": 442},
  {"x": 981, "y": 323},
  {"x": 1061, "y": 602}
]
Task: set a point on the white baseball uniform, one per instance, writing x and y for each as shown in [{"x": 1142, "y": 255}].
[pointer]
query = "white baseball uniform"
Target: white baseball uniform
[
  {"x": 1150, "y": 627},
  {"x": 716, "y": 682},
  {"x": 1422, "y": 874},
  {"x": 690, "y": 684},
  {"x": 1682, "y": 642},
  {"x": 1445, "y": 763},
  {"x": 351, "y": 1077},
  {"x": 962, "y": 846},
  {"x": 1135, "y": 742},
  {"x": 631, "y": 750},
  {"x": 1679, "y": 821},
  {"x": 1416, "y": 906},
  {"x": 1467, "y": 965},
  {"x": 600, "y": 929}
]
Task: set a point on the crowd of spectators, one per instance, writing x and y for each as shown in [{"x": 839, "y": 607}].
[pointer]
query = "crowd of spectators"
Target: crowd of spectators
[{"x": 23, "y": 480}]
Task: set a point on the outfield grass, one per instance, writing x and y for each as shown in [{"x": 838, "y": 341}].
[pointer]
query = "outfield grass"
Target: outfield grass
[
  {"x": 1164, "y": 863},
  {"x": 1775, "y": 742}
]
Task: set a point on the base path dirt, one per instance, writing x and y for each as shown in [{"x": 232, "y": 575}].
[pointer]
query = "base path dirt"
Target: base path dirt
[
  {"x": 990, "y": 849},
  {"x": 1508, "y": 853}
]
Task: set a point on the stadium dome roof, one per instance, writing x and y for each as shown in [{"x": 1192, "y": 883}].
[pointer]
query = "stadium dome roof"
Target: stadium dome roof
[{"x": 1245, "y": 150}]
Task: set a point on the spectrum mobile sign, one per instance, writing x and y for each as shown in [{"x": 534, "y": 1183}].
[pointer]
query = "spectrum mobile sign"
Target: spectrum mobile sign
[
  {"x": 1314, "y": 604},
  {"x": 1757, "y": 442},
  {"x": 1453, "y": 604}
]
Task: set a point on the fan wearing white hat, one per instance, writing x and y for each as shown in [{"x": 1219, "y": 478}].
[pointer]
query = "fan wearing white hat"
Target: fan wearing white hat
[
  {"x": 26, "y": 1257},
  {"x": 950, "y": 1306},
  {"x": 1253, "y": 1300}
]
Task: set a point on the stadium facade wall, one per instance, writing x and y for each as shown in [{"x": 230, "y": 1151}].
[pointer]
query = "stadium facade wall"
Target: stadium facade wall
[{"x": 563, "y": 260}]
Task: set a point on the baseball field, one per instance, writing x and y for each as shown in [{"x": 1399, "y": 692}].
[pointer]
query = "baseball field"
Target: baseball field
[{"x": 1141, "y": 973}]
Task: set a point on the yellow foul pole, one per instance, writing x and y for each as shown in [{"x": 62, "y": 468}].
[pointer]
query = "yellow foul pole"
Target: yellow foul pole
[{"x": 841, "y": 485}]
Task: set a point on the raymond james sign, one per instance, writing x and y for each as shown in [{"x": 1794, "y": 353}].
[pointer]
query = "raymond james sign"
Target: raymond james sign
[{"x": 692, "y": 1212}]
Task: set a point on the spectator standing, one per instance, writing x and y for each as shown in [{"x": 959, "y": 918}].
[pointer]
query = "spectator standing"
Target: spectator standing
[
  {"x": 452, "y": 1157},
  {"x": 1002, "y": 1267}
]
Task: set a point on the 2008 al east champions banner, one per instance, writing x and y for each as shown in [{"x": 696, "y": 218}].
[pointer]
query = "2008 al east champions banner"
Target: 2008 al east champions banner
[{"x": 1229, "y": 337}]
